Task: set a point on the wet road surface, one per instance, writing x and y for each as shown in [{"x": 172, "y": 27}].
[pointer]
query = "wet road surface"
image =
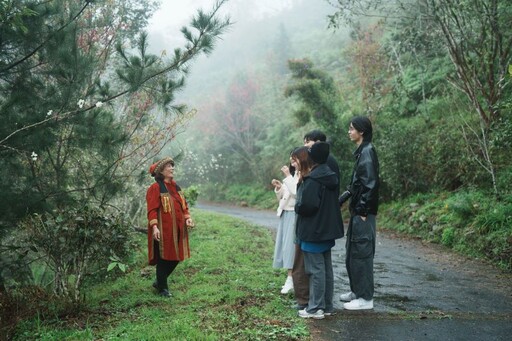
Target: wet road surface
[{"x": 422, "y": 291}]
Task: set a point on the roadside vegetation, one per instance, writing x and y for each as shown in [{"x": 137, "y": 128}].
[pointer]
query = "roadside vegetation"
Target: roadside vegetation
[
  {"x": 227, "y": 290},
  {"x": 470, "y": 223}
]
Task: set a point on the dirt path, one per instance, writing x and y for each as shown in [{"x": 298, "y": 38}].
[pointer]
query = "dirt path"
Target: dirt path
[{"x": 422, "y": 292}]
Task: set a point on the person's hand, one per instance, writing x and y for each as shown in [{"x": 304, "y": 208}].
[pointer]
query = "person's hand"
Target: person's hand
[
  {"x": 344, "y": 197},
  {"x": 276, "y": 183},
  {"x": 189, "y": 222},
  {"x": 156, "y": 233},
  {"x": 286, "y": 171}
]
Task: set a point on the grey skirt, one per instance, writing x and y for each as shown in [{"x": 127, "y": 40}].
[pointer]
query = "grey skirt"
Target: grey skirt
[{"x": 284, "y": 251}]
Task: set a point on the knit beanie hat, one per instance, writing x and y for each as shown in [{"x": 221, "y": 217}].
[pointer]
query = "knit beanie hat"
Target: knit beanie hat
[
  {"x": 157, "y": 167},
  {"x": 319, "y": 152}
]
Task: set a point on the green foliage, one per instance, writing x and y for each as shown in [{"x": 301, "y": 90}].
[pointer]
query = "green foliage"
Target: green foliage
[
  {"x": 317, "y": 92},
  {"x": 448, "y": 236},
  {"x": 471, "y": 222},
  {"x": 116, "y": 262},
  {"x": 77, "y": 243},
  {"x": 12, "y": 14},
  {"x": 233, "y": 294},
  {"x": 191, "y": 194},
  {"x": 241, "y": 195},
  {"x": 74, "y": 131}
]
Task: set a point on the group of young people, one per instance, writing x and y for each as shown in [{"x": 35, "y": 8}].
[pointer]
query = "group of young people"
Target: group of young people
[{"x": 310, "y": 222}]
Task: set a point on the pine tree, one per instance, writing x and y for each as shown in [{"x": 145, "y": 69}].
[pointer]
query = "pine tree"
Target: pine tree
[{"x": 76, "y": 107}]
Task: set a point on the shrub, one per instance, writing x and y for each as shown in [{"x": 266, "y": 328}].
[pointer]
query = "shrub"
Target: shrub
[
  {"x": 251, "y": 195},
  {"x": 77, "y": 243},
  {"x": 191, "y": 194},
  {"x": 448, "y": 236},
  {"x": 471, "y": 222}
]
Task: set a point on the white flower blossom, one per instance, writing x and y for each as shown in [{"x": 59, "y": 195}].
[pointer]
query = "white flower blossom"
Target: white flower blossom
[
  {"x": 99, "y": 104},
  {"x": 33, "y": 156},
  {"x": 49, "y": 113},
  {"x": 81, "y": 103}
]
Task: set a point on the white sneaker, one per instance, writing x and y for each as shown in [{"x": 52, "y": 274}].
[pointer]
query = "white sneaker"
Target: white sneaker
[
  {"x": 288, "y": 286},
  {"x": 318, "y": 315},
  {"x": 349, "y": 296},
  {"x": 358, "y": 304}
]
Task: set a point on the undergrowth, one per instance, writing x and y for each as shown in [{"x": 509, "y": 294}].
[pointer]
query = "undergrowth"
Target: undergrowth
[
  {"x": 227, "y": 290},
  {"x": 470, "y": 222}
]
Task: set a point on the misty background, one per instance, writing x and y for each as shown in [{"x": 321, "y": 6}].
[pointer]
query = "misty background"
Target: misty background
[{"x": 255, "y": 50}]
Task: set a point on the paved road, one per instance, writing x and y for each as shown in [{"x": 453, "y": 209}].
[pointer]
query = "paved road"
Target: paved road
[{"x": 422, "y": 292}]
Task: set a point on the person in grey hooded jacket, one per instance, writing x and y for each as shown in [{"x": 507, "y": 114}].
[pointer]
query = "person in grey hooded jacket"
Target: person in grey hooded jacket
[{"x": 318, "y": 225}]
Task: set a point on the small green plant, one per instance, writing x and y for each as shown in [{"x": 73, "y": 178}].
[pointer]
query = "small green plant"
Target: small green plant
[
  {"x": 448, "y": 236},
  {"x": 191, "y": 194},
  {"x": 116, "y": 263}
]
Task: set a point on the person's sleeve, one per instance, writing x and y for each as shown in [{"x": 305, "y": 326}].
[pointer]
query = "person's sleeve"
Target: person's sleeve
[
  {"x": 310, "y": 199},
  {"x": 153, "y": 203},
  {"x": 279, "y": 193},
  {"x": 367, "y": 176},
  {"x": 186, "y": 212},
  {"x": 291, "y": 184}
]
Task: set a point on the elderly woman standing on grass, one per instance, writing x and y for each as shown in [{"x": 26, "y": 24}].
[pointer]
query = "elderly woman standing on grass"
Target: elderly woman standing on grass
[{"x": 168, "y": 223}]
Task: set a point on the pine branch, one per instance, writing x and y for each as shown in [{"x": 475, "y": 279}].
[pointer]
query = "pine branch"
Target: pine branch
[{"x": 13, "y": 65}]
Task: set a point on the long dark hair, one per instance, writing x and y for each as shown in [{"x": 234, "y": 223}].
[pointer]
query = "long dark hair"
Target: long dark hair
[
  {"x": 302, "y": 156},
  {"x": 290, "y": 167}
]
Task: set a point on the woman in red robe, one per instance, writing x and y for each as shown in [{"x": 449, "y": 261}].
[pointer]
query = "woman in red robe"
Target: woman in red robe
[{"x": 168, "y": 223}]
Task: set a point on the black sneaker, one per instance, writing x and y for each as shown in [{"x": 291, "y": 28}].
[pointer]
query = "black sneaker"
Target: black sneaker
[{"x": 165, "y": 293}]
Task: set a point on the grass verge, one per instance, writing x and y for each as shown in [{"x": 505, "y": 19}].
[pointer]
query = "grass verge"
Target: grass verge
[{"x": 227, "y": 290}]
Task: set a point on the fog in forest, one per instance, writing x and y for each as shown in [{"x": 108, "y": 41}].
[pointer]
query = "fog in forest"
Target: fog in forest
[
  {"x": 256, "y": 28},
  {"x": 237, "y": 93}
]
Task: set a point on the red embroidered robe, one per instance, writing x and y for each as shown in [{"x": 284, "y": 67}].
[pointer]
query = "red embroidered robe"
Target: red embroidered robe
[{"x": 168, "y": 211}]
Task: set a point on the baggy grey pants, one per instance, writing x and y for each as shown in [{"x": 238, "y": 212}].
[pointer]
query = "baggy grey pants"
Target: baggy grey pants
[
  {"x": 360, "y": 250},
  {"x": 321, "y": 281}
]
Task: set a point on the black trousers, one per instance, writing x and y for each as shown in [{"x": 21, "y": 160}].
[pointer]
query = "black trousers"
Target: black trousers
[
  {"x": 360, "y": 252},
  {"x": 164, "y": 269}
]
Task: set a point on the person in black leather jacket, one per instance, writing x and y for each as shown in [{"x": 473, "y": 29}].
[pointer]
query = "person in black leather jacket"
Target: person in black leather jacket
[{"x": 363, "y": 192}]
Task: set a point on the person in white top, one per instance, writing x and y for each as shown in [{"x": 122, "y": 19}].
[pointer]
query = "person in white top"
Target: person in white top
[{"x": 284, "y": 251}]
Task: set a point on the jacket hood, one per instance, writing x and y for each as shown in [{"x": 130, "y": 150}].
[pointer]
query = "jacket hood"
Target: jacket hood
[{"x": 324, "y": 175}]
